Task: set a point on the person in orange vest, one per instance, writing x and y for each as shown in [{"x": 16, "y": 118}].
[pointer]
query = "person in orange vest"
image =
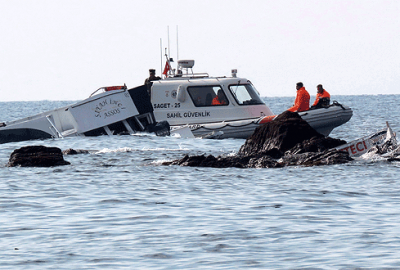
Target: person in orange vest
[
  {"x": 323, "y": 98},
  {"x": 219, "y": 98},
  {"x": 302, "y": 101}
]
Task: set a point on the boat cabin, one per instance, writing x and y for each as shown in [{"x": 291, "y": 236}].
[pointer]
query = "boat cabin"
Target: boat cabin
[{"x": 189, "y": 99}]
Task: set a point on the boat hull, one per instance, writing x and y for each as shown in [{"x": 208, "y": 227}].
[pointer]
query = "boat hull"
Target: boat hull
[
  {"x": 223, "y": 130},
  {"x": 22, "y": 134},
  {"x": 323, "y": 120}
]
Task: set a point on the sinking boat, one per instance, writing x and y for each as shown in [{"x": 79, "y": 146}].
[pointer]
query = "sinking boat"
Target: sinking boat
[
  {"x": 184, "y": 98},
  {"x": 108, "y": 111},
  {"x": 384, "y": 138}
]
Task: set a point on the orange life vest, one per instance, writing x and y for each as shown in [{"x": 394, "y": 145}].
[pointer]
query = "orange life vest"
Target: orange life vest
[
  {"x": 216, "y": 101},
  {"x": 324, "y": 94},
  {"x": 302, "y": 102}
]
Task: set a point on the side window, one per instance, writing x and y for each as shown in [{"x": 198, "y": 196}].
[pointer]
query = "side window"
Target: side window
[
  {"x": 245, "y": 94},
  {"x": 204, "y": 96}
]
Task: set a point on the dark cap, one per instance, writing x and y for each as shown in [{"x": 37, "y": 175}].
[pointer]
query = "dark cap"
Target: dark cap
[
  {"x": 152, "y": 70},
  {"x": 300, "y": 84}
]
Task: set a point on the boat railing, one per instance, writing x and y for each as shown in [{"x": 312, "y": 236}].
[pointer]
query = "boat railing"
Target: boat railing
[
  {"x": 29, "y": 118},
  {"x": 53, "y": 126},
  {"x": 109, "y": 88},
  {"x": 188, "y": 76}
]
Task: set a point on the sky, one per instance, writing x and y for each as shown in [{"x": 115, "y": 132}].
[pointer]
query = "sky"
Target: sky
[{"x": 66, "y": 49}]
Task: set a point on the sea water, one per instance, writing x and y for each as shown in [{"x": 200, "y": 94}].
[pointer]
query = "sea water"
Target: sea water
[{"x": 118, "y": 208}]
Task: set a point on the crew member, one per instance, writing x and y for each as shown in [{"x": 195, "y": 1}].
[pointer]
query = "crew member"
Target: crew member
[
  {"x": 152, "y": 77},
  {"x": 323, "y": 98},
  {"x": 219, "y": 98},
  {"x": 302, "y": 101}
]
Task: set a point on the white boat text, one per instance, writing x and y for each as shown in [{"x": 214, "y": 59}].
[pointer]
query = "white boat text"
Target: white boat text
[{"x": 188, "y": 114}]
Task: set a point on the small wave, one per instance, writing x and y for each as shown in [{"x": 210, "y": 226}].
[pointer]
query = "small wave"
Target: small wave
[
  {"x": 112, "y": 201},
  {"x": 165, "y": 149},
  {"x": 218, "y": 248},
  {"x": 354, "y": 193},
  {"x": 128, "y": 149},
  {"x": 32, "y": 262},
  {"x": 372, "y": 156},
  {"x": 118, "y": 150},
  {"x": 232, "y": 154},
  {"x": 160, "y": 162},
  {"x": 158, "y": 256},
  {"x": 99, "y": 260},
  {"x": 176, "y": 135},
  {"x": 143, "y": 134}
]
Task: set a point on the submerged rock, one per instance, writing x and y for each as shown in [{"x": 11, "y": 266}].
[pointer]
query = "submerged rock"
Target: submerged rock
[
  {"x": 327, "y": 157},
  {"x": 71, "y": 151},
  {"x": 37, "y": 156},
  {"x": 288, "y": 140},
  {"x": 238, "y": 161}
]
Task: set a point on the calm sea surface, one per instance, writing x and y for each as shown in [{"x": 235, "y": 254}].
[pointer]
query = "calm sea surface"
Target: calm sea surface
[{"x": 117, "y": 208}]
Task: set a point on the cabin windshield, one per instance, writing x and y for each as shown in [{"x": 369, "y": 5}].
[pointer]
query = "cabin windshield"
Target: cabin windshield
[
  {"x": 207, "y": 95},
  {"x": 245, "y": 94}
]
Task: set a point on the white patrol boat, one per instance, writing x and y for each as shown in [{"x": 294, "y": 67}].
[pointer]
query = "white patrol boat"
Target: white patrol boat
[
  {"x": 223, "y": 107},
  {"x": 108, "y": 111}
]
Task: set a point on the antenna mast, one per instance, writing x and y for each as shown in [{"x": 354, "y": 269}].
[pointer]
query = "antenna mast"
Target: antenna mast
[
  {"x": 169, "y": 53},
  {"x": 161, "y": 54},
  {"x": 177, "y": 47}
]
